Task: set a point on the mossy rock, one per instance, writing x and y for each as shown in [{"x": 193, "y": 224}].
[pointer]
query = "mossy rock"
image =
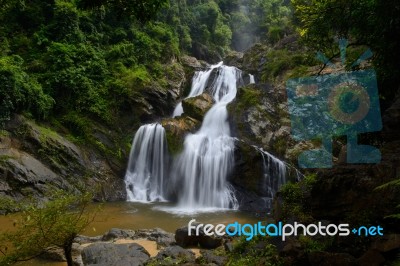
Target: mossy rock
[
  {"x": 198, "y": 106},
  {"x": 176, "y": 130}
]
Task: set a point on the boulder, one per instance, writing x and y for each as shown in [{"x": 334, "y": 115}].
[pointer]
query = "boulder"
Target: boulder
[
  {"x": 234, "y": 58},
  {"x": 198, "y": 106},
  {"x": 176, "y": 129},
  {"x": 183, "y": 239},
  {"x": 118, "y": 233},
  {"x": 161, "y": 237},
  {"x": 81, "y": 239},
  {"x": 190, "y": 61},
  {"x": 209, "y": 257},
  {"x": 176, "y": 255},
  {"x": 109, "y": 254}
]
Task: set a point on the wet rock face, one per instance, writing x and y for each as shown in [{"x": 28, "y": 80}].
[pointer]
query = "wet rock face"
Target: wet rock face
[
  {"x": 203, "y": 52},
  {"x": 22, "y": 174},
  {"x": 192, "y": 62},
  {"x": 176, "y": 129},
  {"x": 259, "y": 117},
  {"x": 35, "y": 160},
  {"x": 234, "y": 58}
]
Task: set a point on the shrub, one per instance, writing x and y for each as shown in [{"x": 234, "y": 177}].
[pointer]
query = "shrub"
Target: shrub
[
  {"x": 43, "y": 227},
  {"x": 19, "y": 91}
]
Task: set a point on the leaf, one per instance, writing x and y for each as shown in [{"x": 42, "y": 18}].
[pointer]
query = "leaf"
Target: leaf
[{"x": 392, "y": 184}]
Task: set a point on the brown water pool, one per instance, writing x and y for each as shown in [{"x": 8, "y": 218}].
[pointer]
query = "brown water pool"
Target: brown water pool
[{"x": 127, "y": 215}]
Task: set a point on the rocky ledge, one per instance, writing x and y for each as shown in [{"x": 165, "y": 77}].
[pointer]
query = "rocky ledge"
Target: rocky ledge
[{"x": 144, "y": 247}]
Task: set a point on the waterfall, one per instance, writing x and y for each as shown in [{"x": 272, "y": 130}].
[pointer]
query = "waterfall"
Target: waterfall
[
  {"x": 274, "y": 175},
  {"x": 199, "y": 83},
  {"x": 147, "y": 167},
  {"x": 202, "y": 168},
  {"x": 252, "y": 79},
  {"x": 198, "y": 177}
]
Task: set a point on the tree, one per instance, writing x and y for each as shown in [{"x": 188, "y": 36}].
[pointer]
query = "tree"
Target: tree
[
  {"x": 373, "y": 23},
  {"x": 42, "y": 227},
  {"x": 143, "y": 10}
]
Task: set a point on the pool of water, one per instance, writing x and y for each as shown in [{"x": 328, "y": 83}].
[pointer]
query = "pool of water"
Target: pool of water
[{"x": 127, "y": 215}]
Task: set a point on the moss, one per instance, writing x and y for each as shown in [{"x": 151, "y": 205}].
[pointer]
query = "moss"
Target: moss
[
  {"x": 46, "y": 133},
  {"x": 175, "y": 144},
  {"x": 4, "y": 133},
  {"x": 248, "y": 97},
  {"x": 5, "y": 158},
  {"x": 294, "y": 197}
]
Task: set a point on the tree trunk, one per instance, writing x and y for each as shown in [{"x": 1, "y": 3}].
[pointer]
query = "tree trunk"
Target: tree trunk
[{"x": 68, "y": 254}]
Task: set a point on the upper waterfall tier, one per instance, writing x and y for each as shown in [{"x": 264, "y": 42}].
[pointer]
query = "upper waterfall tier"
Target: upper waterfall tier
[{"x": 208, "y": 155}]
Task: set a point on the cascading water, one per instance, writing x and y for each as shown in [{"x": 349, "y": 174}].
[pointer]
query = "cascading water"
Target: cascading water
[
  {"x": 199, "y": 174},
  {"x": 147, "y": 167},
  {"x": 252, "y": 79},
  {"x": 208, "y": 155},
  {"x": 199, "y": 84},
  {"x": 274, "y": 174}
]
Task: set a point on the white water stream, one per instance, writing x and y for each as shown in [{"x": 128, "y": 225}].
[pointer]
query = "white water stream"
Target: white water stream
[
  {"x": 208, "y": 155},
  {"x": 145, "y": 177}
]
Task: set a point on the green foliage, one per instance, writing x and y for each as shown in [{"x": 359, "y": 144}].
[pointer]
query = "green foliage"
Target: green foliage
[
  {"x": 140, "y": 9},
  {"x": 254, "y": 252},
  {"x": 281, "y": 60},
  {"x": 311, "y": 245},
  {"x": 74, "y": 76},
  {"x": 371, "y": 23},
  {"x": 294, "y": 196},
  {"x": 44, "y": 226},
  {"x": 249, "y": 97},
  {"x": 84, "y": 60},
  {"x": 19, "y": 91}
]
